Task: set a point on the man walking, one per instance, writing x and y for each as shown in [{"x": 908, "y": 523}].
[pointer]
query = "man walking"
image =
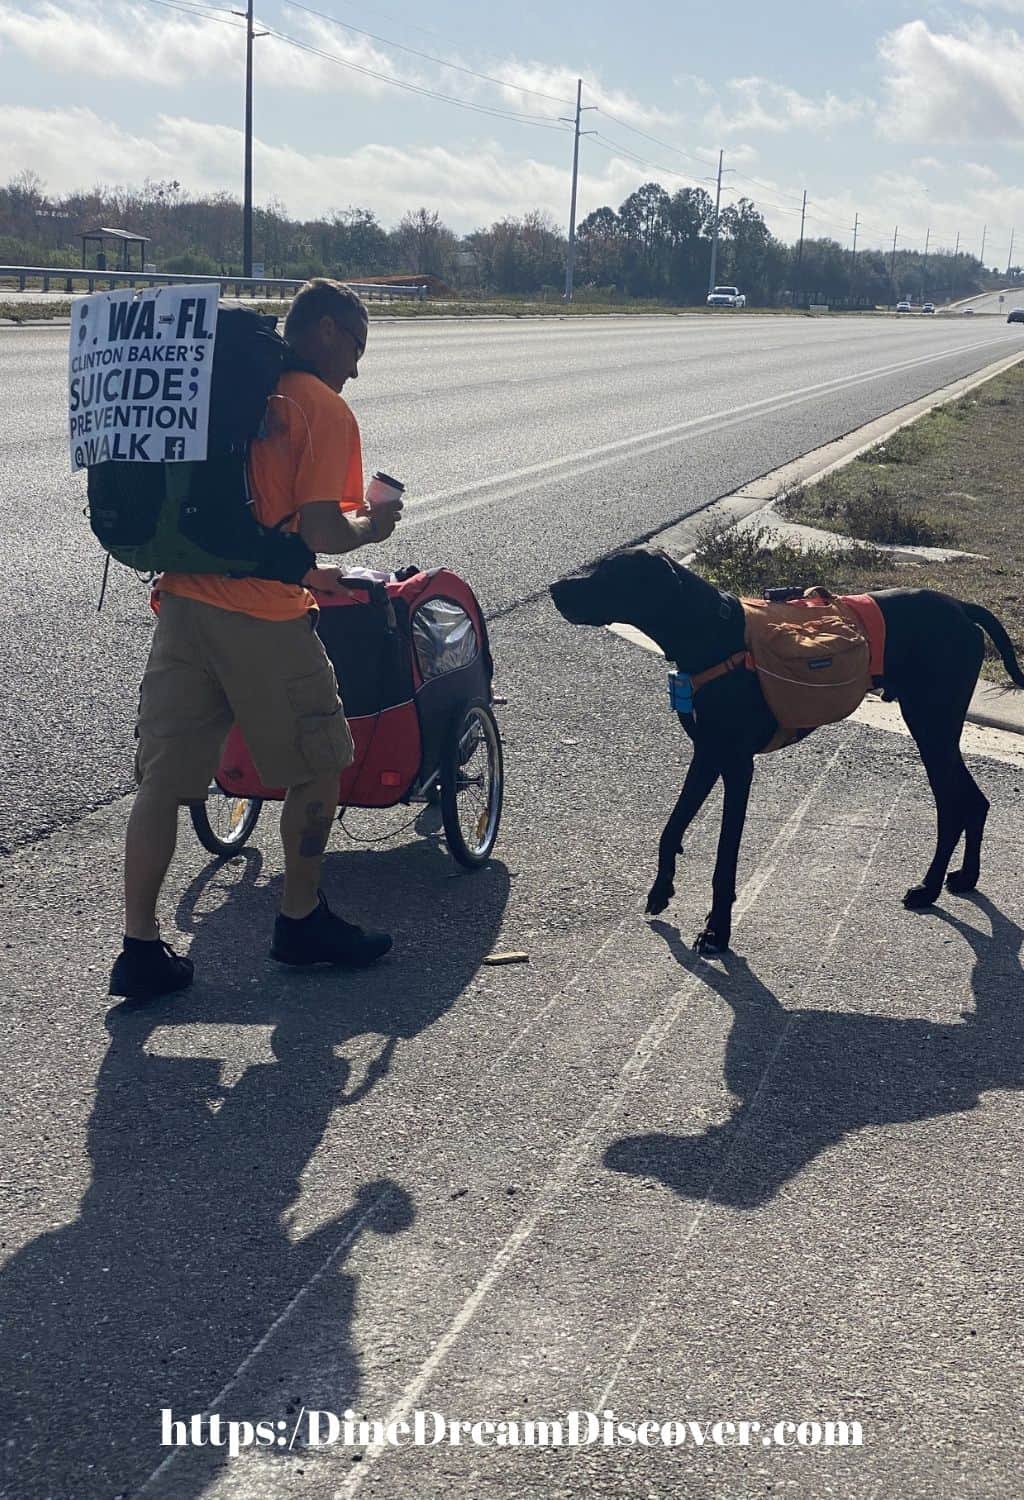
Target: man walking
[{"x": 243, "y": 649}]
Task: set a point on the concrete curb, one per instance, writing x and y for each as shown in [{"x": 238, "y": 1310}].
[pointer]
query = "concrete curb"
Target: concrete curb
[{"x": 991, "y": 706}]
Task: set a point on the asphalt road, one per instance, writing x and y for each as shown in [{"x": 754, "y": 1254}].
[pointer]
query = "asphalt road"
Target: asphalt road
[
  {"x": 776, "y": 1188},
  {"x": 527, "y": 448},
  {"x": 991, "y": 303}
]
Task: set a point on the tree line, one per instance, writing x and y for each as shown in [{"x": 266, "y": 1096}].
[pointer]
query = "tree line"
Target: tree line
[{"x": 656, "y": 246}]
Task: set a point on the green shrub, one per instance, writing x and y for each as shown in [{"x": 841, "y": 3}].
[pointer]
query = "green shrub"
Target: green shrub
[
  {"x": 879, "y": 517},
  {"x": 748, "y": 560}
]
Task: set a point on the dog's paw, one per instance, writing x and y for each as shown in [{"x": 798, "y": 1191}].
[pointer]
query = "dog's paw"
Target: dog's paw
[
  {"x": 918, "y": 897},
  {"x": 711, "y": 940},
  {"x": 961, "y": 881},
  {"x": 659, "y": 896}
]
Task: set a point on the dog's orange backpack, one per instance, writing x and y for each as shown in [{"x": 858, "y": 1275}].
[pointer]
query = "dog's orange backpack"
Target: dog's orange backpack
[{"x": 812, "y": 657}]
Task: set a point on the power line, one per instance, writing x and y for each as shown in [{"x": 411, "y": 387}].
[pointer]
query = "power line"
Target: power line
[
  {"x": 767, "y": 188},
  {"x": 641, "y": 161},
  {"x": 442, "y": 62},
  {"x": 197, "y": 13},
  {"x": 690, "y": 155},
  {"x": 542, "y": 121}
]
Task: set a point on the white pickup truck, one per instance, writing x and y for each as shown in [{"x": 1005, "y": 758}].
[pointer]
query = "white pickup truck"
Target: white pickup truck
[{"x": 726, "y": 296}]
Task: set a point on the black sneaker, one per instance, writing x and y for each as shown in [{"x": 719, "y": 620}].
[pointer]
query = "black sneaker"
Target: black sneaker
[
  {"x": 323, "y": 938},
  {"x": 146, "y": 970}
]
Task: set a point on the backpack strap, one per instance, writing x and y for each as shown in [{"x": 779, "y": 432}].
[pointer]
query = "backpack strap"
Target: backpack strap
[{"x": 731, "y": 664}]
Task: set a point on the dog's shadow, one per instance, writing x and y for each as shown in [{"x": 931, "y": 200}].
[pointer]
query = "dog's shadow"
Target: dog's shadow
[{"x": 803, "y": 1079}]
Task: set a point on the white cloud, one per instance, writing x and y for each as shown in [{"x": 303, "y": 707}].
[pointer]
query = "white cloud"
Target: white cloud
[
  {"x": 759, "y": 105},
  {"x": 945, "y": 87},
  {"x": 1012, "y": 7},
  {"x": 100, "y": 37},
  {"x": 560, "y": 83},
  {"x": 103, "y": 41},
  {"x": 468, "y": 189},
  {"x": 82, "y": 39},
  {"x": 693, "y": 83}
]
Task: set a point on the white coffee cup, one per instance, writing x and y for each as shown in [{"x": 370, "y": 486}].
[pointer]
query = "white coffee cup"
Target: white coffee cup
[{"x": 382, "y": 488}]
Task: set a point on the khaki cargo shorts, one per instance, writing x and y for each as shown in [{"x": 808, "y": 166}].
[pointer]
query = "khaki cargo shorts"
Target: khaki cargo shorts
[{"x": 210, "y": 668}]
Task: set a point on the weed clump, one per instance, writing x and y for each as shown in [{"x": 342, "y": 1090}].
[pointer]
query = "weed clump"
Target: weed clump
[{"x": 748, "y": 560}]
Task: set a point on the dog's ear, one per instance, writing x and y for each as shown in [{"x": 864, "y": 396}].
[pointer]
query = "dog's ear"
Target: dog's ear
[{"x": 667, "y": 558}]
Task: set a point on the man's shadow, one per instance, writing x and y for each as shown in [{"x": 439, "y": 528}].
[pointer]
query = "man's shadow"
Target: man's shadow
[
  {"x": 185, "y": 1252},
  {"x": 832, "y": 1073}
]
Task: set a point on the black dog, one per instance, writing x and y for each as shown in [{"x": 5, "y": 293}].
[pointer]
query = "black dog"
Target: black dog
[{"x": 933, "y": 653}]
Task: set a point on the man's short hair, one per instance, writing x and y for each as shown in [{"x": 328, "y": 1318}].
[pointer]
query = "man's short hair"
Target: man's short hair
[{"x": 320, "y": 298}]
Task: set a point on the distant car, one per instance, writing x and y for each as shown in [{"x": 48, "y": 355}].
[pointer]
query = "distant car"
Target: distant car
[
  {"x": 928, "y": 307},
  {"x": 726, "y": 296},
  {"x": 968, "y": 312},
  {"x": 1017, "y": 316},
  {"x": 903, "y": 307}
]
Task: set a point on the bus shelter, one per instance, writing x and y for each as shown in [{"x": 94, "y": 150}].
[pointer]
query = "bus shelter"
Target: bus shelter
[{"x": 120, "y": 241}]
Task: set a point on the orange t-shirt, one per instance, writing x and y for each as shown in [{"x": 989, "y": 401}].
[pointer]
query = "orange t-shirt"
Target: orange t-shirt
[{"x": 309, "y": 449}]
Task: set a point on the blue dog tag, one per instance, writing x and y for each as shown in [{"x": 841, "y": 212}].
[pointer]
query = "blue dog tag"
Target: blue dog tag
[{"x": 680, "y": 692}]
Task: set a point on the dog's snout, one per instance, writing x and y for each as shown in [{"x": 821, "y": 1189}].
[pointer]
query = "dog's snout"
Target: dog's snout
[{"x": 569, "y": 596}]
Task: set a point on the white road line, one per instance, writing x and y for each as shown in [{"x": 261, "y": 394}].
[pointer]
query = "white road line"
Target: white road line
[
  {"x": 604, "y": 454},
  {"x": 741, "y": 1132},
  {"x": 580, "y": 1147},
  {"x": 497, "y": 1062}
]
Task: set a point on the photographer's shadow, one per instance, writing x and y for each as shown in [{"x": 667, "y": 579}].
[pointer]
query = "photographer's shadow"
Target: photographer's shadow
[
  {"x": 803, "y": 1079},
  {"x": 209, "y": 1107}
]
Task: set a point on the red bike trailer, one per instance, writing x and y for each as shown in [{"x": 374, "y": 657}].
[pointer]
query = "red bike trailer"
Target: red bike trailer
[{"x": 415, "y": 675}]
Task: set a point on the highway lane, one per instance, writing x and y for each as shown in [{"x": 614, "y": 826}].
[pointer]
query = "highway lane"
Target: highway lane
[
  {"x": 991, "y": 304},
  {"x": 528, "y": 447}
]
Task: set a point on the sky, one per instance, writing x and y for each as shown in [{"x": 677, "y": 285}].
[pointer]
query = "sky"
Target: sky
[{"x": 907, "y": 116}]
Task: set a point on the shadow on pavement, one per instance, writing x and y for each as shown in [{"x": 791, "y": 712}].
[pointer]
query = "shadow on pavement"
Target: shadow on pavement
[
  {"x": 185, "y": 1251},
  {"x": 803, "y": 1079}
]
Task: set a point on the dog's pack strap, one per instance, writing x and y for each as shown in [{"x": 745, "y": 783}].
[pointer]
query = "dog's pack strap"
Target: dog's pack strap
[{"x": 731, "y": 664}]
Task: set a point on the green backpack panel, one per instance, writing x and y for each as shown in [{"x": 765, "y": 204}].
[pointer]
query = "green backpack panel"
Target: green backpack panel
[{"x": 197, "y": 517}]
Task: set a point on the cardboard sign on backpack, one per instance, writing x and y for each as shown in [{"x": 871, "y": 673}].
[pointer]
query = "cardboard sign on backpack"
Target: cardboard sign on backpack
[
  {"x": 139, "y": 374},
  {"x": 163, "y": 415}
]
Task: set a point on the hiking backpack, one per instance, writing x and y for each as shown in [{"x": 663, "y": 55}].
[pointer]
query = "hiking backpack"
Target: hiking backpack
[
  {"x": 811, "y": 655},
  {"x": 197, "y": 516}
]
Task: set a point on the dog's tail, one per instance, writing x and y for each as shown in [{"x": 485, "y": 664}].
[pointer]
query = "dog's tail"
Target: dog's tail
[{"x": 992, "y": 628}]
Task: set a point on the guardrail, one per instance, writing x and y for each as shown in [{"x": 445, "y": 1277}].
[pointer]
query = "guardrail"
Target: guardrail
[{"x": 254, "y": 285}]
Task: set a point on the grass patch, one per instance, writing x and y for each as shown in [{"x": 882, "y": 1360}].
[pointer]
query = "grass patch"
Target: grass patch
[
  {"x": 872, "y": 514},
  {"x": 748, "y": 560},
  {"x": 33, "y": 312},
  {"x": 951, "y": 478}
]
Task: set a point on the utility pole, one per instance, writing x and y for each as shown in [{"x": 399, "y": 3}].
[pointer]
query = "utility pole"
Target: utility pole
[
  {"x": 714, "y": 227},
  {"x": 981, "y": 257},
  {"x": 856, "y": 225},
  {"x": 570, "y": 258},
  {"x": 853, "y": 263},
  {"x": 892, "y": 265},
  {"x": 1009, "y": 258},
  {"x": 924, "y": 268},
  {"x": 956, "y": 250},
  {"x": 798, "y": 278},
  {"x": 247, "y": 192}
]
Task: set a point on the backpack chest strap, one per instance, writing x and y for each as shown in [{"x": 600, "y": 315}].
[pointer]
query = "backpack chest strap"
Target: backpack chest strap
[
  {"x": 682, "y": 686},
  {"x": 731, "y": 664}
]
